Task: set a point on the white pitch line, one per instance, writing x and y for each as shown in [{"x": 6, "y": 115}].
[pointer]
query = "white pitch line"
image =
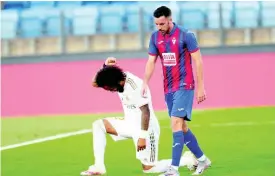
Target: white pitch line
[
  {"x": 50, "y": 138},
  {"x": 64, "y": 135}
]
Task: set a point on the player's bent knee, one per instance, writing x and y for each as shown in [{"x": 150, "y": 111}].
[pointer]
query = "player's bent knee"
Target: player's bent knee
[
  {"x": 146, "y": 168},
  {"x": 109, "y": 128}
]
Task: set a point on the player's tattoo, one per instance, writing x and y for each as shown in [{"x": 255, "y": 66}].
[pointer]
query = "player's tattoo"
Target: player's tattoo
[{"x": 145, "y": 117}]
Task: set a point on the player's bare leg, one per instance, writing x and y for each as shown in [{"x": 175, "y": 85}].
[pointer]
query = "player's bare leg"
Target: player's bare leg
[
  {"x": 100, "y": 128},
  {"x": 191, "y": 142}
]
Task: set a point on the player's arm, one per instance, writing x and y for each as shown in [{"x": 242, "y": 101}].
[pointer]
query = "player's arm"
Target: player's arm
[
  {"x": 145, "y": 117},
  {"x": 193, "y": 48},
  {"x": 143, "y": 104},
  {"x": 108, "y": 62},
  {"x": 153, "y": 54}
]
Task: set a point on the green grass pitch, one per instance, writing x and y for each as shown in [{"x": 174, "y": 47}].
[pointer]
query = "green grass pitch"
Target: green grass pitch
[{"x": 240, "y": 142}]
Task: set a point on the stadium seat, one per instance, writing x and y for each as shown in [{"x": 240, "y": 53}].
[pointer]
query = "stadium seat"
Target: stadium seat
[
  {"x": 268, "y": 17},
  {"x": 133, "y": 21},
  {"x": 53, "y": 19},
  {"x": 125, "y": 3},
  {"x": 246, "y": 18},
  {"x": 31, "y": 23},
  {"x": 268, "y": 4},
  {"x": 212, "y": 13},
  {"x": 68, "y": 4},
  {"x": 227, "y": 14},
  {"x": 95, "y": 3},
  {"x": 132, "y": 14},
  {"x": 85, "y": 21},
  {"x": 193, "y": 19},
  {"x": 246, "y": 5},
  {"x": 16, "y": 4},
  {"x": 9, "y": 22},
  {"x": 213, "y": 19},
  {"x": 42, "y": 4},
  {"x": 112, "y": 19}
]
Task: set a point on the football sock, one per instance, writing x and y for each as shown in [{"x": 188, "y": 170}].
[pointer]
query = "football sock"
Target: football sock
[
  {"x": 99, "y": 142},
  {"x": 178, "y": 143},
  {"x": 192, "y": 143}
]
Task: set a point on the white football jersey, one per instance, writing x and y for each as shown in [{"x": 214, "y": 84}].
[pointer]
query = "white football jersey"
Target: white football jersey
[{"x": 132, "y": 100}]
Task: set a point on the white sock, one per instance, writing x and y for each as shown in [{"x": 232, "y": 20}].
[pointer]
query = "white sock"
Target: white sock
[
  {"x": 202, "y": 158},
  {"x": 175, "y": 167},
  {"x": 99, "y": 142}
]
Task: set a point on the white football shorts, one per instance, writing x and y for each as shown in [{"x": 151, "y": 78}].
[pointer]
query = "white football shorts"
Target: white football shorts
[{"x": 128, "y": 130}]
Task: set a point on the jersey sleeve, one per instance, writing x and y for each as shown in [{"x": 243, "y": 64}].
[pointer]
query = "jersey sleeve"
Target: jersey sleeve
[
  {"x": 152, "y": 46},
  {"x": 191, "y": 42}
]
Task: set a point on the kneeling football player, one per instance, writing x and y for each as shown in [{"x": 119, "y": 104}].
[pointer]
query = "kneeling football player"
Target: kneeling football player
[{"x": 139, "y": 122}]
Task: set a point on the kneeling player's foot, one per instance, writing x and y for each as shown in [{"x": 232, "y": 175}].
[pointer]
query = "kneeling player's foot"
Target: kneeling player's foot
[
  {"x": 170, "y": 172},
  {"x": 191, "y": 161},
  {"x": 202, "y": 166},
  {"x": 94, "y": 170}
]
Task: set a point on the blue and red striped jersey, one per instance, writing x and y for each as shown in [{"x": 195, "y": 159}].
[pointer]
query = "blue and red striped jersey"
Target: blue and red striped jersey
[{"x": 174, "y": 50}]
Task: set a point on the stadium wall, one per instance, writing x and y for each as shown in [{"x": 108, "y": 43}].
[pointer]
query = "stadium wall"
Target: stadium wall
[{"x": 232, "y": 80}]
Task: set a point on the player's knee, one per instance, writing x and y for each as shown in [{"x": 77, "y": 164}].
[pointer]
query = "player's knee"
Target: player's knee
[
  {"x": 184, "y": 127},
  {"x": 177, "y": 123},
  {"x": 146, "y": 168}
]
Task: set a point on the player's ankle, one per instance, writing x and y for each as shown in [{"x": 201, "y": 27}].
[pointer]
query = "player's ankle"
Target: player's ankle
[
  {"x": 175, "y": 167},
  {"x": 202, "y": 158}
]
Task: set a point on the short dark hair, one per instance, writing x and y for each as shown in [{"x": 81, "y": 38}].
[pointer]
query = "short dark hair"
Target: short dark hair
[
  {"x": 109, "y": 76},
  {"x": 162, "y": 11}
]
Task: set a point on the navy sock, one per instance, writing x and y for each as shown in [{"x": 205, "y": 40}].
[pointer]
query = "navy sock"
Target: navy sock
[
  {"x": 178, "y": 144},
  {"x": 191, "y": 142}
]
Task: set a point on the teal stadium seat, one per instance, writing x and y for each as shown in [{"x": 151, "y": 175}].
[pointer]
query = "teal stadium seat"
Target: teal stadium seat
[
  {"x": 85, "y": 21},
  {"x": 193, "y": 14},
  {"x": 132, "y": 14},
  {"x": 246, "y": 14},
  {"x": 16, "y": 4},
  {"x": 42, "y": 4},
  {"x": 53, "y": 26},
  {"x": 31, "y": 24},
  {"x": 268, "y": 14},
  {"x": 193, "y": 19},
  {"x": 68, "y": 4},
  {"x": 132, "y": 18},
  {"x": 111, "y": 19},
  {"x": 9, "y": 22}
]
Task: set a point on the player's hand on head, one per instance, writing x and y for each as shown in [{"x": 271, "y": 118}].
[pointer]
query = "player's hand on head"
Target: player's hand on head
[
  {"x": 110, "y": 61},
  {"x": 141, "y": 145},
  {"x": 201, "y": 95}
]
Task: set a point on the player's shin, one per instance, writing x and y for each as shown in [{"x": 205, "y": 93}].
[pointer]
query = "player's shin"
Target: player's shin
[
  {"x": 192, "y": 143},
  {"x": 178, "y": 143},
  {"x": 99, "y": 142}
]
